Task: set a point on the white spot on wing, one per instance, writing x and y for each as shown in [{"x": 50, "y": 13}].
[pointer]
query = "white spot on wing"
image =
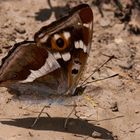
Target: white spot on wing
[
  {"x": 29, "y": 79},
  {"x": 77, "y": 45},
  {"x": 66, "y": 35},
  {"x": 76, "y": 66},
  {"x": 85, "y": 49},
  {"x": 66, "y": 56},
  {"x": 81, "y": 44},
  {"x": 44, "y": 39},
  {"x": 56, "y": 36},
  {"x": 50, "y": 65},
  {"x": 79, "y": 23},
  {"x": 86, "y": 25},
  {"x": 35, "y": 73},
  {"x": 57, "y": 55}
]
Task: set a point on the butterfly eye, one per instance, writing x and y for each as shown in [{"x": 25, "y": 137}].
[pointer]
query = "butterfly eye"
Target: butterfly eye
[{"x": 60, "y": 42}]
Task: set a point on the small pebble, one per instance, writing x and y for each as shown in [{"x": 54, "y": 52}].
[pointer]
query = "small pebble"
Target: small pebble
[
  {"x": 138, "y": 77},
  {"x": 11, "y": 43},
  {"x": 115, "y": 137},
  {"x": 7, "y": 24},
  {"x": 119, "y": 40},
  {"x": 20, "y": 30},
  {"x": 30, "y": 134},
  {"x": 114, "y": 107},
  {"x": 22, "y": 23},
  {"x": 104, "y": 22},
  {"x": 137, "y": 111},
  {"x": 19, "y": 40},
  {"x": 126, "y": 65}
]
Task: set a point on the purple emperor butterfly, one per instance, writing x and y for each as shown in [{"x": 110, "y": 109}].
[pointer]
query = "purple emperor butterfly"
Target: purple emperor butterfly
[{"x": 54, "y": 61}]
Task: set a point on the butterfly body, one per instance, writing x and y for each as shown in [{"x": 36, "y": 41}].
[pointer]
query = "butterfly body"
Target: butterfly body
[{"x": 55, "y": 59}]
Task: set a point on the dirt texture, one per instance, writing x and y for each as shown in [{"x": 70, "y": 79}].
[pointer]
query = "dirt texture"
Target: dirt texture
[{"x": 108, "y": 109}]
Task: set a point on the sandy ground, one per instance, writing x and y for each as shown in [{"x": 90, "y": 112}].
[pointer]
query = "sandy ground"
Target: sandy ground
[{"x": 108, "y": 109}]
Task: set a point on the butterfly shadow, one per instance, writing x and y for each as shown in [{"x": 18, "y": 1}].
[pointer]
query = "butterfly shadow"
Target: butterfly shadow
[
  {"x": 74, "y": 126},
  {"x": 45, "y": 14}
]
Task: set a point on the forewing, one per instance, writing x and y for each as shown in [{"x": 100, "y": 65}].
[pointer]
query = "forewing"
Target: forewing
[{"x": 76, "y": 30}]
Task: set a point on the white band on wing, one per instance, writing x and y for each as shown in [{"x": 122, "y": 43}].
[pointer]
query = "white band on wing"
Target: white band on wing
[{"x": 50, "y": 65}]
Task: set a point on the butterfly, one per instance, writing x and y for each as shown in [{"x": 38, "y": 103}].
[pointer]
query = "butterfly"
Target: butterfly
[{"x": 54, "y": 61}]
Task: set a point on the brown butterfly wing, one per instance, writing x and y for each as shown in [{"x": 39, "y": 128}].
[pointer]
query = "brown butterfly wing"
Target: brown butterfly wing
[
  {"x": 76, "y": 31},
  {"x": 24, "y": 63},
  {"x": 57, "y": 57}
]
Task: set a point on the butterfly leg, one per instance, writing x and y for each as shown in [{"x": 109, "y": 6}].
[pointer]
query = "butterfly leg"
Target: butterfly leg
[{"x": 35, "y": 121}]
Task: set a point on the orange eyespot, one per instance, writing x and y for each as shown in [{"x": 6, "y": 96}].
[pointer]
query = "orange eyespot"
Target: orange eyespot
[{"x": 59, "y": 42}]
